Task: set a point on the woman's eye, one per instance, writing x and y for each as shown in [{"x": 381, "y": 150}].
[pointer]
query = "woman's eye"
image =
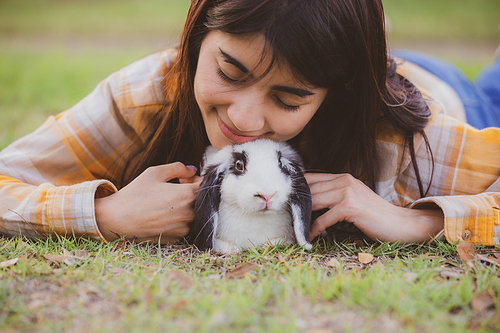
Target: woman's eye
[
  {"x": 224, "y": 77},
  {"x": 284, "y": 106},
  {"x": 239, "y": 166}
]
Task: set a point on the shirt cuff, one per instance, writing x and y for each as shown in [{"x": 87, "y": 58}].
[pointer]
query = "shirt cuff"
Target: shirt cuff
[
  {"x": 472, "y": 218},
  {"x": 62, "y": 210}
]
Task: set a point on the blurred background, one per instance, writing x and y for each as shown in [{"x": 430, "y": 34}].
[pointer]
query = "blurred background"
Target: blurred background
[{"x": 54, "y": 52}]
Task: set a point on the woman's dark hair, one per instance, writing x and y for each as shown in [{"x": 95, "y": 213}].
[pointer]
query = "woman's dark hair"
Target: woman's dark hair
[{"x": 335, "y": 44}]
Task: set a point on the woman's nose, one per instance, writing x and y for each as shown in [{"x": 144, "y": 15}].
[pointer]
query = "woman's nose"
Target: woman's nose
[{"x": 246, "y": 111}]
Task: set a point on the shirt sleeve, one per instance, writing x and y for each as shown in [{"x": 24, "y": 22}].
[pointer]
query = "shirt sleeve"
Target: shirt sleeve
[
  {"x": 460, "y": 177},
  {"x": 50, "y": 178},
  {"x": 465, "y": 184},
  {"x": 463, "y": 180}
]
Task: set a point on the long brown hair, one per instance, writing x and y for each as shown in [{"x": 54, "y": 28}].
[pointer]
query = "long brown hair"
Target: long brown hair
[{"x": 335, "y": 44}]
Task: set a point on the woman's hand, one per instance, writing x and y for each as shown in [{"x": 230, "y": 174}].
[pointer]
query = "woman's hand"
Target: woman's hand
[
  {"x": 348, "y": 199},
  {"x": 149, "y": 208}
]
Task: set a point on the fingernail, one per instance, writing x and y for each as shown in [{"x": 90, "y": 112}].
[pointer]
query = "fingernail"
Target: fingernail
[{"x": 192, "y": 167}]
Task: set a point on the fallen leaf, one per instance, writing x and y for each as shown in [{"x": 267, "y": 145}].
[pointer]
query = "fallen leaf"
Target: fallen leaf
[
  {"x": 496, "y": 255},
  {"x": 359, "y": 243},
  {"x": 217, "y": 262},
  {"x": 482, "y": 302},
  {"x": 69, "y": 261},
  {"x": 67, "y": 253},
  {"x": 333, "y": 262},
  {"x": 184, "y": 281},
  {"x": 8, "y": 263},
  {"x": 365, "y": 258},
  {"x": 180, "y": 305},
  {"x": 241, "y": 270},
  {"x": 494, "y": 259},
  {"x": 82, "y": 254},
  {"x": 55, "y": 258},
  {"x": 280, "y": 258},
  {"x": 485, "y": 258},
  {"x": 447, "y": 274},
  {"x": 410, "y": 277},
  {"x": 466, "y": 251},
  {"x": 120, "y": 271}
]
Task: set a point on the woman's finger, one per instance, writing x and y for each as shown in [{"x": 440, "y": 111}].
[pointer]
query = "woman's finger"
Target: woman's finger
[
  {"x": 312, "y": 178},
  {"x": 329, "y": 218},
  {"x": 170, "y": 171},
  {"x": 193, "y": 180}
]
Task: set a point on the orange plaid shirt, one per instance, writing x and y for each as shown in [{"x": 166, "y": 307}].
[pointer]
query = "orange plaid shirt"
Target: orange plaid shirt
[{"x": 50, "y": 178}]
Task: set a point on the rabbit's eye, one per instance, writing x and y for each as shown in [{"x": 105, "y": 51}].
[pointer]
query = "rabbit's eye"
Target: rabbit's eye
[{"x": 239, "y": 166}]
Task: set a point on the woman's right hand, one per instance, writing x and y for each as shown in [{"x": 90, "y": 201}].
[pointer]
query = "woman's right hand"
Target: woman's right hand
[{"x": 150, "y": 208}]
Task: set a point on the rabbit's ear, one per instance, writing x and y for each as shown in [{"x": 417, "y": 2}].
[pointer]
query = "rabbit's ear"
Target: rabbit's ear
[
  {"x": 207, "y": 208},
  {"x": 301, "y": 206}
]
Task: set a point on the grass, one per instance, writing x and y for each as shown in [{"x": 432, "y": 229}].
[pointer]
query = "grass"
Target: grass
[
  {"x": 53, "y": 53},
  {"x": 139, "y": 288},
  {"x": 92, "y": 17},
  {"x": 462, "y": 20}
]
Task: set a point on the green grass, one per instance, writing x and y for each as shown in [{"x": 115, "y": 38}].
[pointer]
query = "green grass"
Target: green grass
[
  {"x": 445, "y": 20},
  {"x": 92, "y": 17},
  {"x": 36, "y": 85},
  {"x": 138, "y": 288}
]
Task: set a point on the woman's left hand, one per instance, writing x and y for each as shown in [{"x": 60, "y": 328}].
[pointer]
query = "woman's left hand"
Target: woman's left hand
[{"x": 348, "y": 199}]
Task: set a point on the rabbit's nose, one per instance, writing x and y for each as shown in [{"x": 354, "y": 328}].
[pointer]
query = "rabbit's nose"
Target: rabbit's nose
[
  {"x": 266, "y": 200},
  {"x": 265, "y": 197}
]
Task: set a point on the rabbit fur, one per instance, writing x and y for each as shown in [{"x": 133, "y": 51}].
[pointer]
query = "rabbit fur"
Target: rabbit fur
[{"x": 252, "y": 193}]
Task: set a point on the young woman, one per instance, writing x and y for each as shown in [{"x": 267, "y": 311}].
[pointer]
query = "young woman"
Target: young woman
[{"x": 386, "y": 139}]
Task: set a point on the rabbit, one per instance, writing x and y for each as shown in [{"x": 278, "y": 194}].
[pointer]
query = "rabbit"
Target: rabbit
[{"x": 251, "y": 194}]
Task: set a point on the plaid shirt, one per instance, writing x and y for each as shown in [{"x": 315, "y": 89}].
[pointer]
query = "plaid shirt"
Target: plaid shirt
[{"x": 50, "y": 178}]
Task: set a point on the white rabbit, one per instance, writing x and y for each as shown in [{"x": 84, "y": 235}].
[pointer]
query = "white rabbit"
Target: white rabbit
[{"x": 252, "y": 193}]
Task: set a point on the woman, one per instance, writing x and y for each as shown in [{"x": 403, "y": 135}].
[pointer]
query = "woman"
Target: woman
[{"x": 386, "y": 155}]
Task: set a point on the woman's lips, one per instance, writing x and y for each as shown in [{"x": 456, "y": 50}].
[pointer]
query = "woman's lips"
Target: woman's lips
[{"x": 231, "y": 135}]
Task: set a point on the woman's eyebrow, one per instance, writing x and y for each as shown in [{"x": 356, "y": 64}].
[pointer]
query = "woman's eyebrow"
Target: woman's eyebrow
[
  {"x": 294, "y": 91},
  {"x": 229, "y": 59},
  {"x": 286, "y": 89}
]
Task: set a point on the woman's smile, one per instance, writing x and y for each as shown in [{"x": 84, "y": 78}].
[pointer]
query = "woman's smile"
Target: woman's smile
[{"x": 234, "y": 135}]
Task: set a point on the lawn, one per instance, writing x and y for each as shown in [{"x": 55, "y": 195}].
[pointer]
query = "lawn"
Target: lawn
[{"x": 54, "y": 52}]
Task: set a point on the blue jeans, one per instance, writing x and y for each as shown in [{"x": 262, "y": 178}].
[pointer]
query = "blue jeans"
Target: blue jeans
[{"x": 481, "y": 99}]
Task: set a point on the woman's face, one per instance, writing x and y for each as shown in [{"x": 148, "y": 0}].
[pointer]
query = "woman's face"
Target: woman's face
[{"x": 235, "y": 107}]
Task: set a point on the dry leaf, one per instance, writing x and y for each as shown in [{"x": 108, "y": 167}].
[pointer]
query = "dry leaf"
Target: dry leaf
[
  {"x": 55, "y": 258},
  {"x": 67, "y": 253},
  {"x": 447, "y": 274},
  {"x": 180, "y": 305},
  {"x": 494, "y": 259},
  {"x": 365, "y": 258},
  {"x": 485, "y": 258},
  {"x": 69, "y": 261},
  {"x": 184, "y": 281},
  {"x": 218, "y": 262},
  {"x": 8, "y": 263},
  {"x": 82, "y": 254},
  {"x": 334, "y": 262},
  {"x": 359, "y": 243},
  {"x": 466, "y": 251},
  {"x": 482, "y": 302},
  {"x": 120, "y": 271},
  {"x": 496, "y": 255},
  {"x": 280, "y": 258},
  {"x": 241, "y": 270},
  {"x": 410, "y": 277}
]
